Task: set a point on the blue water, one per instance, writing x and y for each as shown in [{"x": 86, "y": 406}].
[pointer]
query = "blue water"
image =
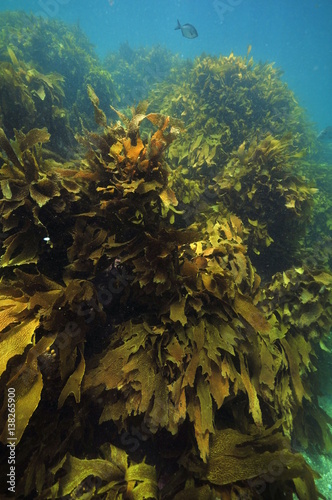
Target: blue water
[{"x": 295, "y": 34}]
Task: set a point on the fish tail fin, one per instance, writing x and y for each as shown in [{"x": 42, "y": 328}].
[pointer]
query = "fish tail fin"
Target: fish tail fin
[{"x": 178, "y": 26}]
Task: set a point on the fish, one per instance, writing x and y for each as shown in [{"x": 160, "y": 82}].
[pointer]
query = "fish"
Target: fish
[
  {"x": 326, "y": 134},
  {"x": 188, "y": 30}
]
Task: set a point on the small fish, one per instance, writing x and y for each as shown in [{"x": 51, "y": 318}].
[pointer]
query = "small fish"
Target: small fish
[
  {"x": 188, "y": 30},
  {"x": 325, "y": 135}
]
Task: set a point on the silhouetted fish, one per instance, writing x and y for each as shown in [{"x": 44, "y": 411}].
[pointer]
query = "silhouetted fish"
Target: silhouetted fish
[
  {"x": 325, "y": 135},
  {"x": 188, "y": 30}
]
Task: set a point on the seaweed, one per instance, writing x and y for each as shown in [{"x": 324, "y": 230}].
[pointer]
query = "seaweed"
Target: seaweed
[
  {"x": 50, "y": 45},
  {"x": 243, "y": 151},
  {"x": 136, "y": 72},
  {"x": 32, "y": 99},
  {"x": 151, "y": 355}
]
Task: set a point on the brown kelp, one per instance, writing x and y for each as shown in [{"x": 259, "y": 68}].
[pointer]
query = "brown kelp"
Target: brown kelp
[
  {"x": 136, "y": 72},
  {"x": 225, "y": 101},
  {"x": 243, "y": 146},
  {"x": 31, "y": 99},
  {"x": 52, "y": 46},
  {"x": 148, "y": 357}
]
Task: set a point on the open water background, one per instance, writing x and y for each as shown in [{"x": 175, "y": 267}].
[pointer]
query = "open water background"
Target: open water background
[{"x": 295, "y": 34}]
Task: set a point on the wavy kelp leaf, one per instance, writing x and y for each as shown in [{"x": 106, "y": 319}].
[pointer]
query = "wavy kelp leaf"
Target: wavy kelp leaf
[
  {"x": 207, "y": 492},
  {"x": 233, "y": 456},
  {"x": 162, "y": 121},
  {"x": 73, "y": 384},
  {"x": 46, "y": 300},
  {"x": 168, "y": 198},
  {"x": 11, "y": 307},
  {"x": 303, "y": 347},
  {"x": 29, "y": 165},
  {"x": 136, "y": 481},
  {"x": 15, "y": 341},
  {"x": 116, "y": 149},
  {"x": 122, "y": 116},
  {"x": 77, "y": 470},
  {"x": 28, "y": 385},
  {"x": 33, "y": 282},
  {"x": 133, "y": 151},
  {"x": 143, "y": 187},
  {"x": 293, "y": 360},
  {"x": 270, "y": 364},
  {"x": 12, "y": 56},
  {"x": 254, "y": 406},
  {"x": 251, "y": 314},
  {"x": 21, "y": 248},
  {"x": 177, "y": 311},
  {"x": 131, "y": 368},
  {"x": 161, "y": 140},
  {"x": 310, "y": 314},
  {"x": 220, "y": 384},
  {"x": 6, "y": 146},
  {"x": 100, "y": 116},
  {"x": 40, "y": 92},
  {"x": 68, "y": 353},
  {"x": 323, "y": 278},
  {"x": 140, "y": 371},
  {"x": 109, "y": 372},
  {"x": 31, "y": 138},
  {"x": 43, "y": 191},
  {"x": 141, "y": 108},
  {"x": 305, "y": 486},
  {"x": 87, "y": 242},
  {"x": 115, "y": 455},
  {"x": 236, "y": 457},
  {"x": 35, "y": 474},
  {"x": 5, "y": 188},
  {"x": 142, "y": 481},
  {"x": 157, "y": 119},
  {"x": 296, "y": 340},
  {"x": 16, "y": 192},
  {"x": 200, "y": 411},
  {"x": 51, "y": 81}
]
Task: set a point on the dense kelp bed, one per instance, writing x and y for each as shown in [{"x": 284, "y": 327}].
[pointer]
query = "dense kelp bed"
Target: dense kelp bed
[{"x": 165, "y": 294}]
